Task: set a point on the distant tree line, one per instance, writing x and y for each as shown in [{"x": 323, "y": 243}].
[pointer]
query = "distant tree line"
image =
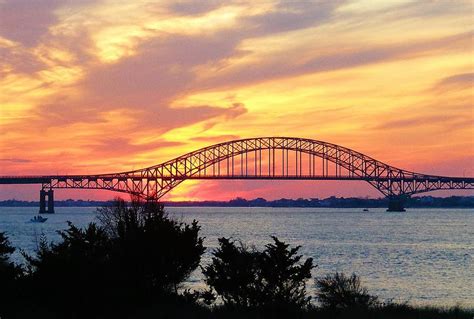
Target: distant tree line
[
  {"x": 330, "y": 202},
  {"x": 133, "y": 262}
]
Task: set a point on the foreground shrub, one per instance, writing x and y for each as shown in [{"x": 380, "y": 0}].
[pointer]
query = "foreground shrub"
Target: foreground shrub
[
  {"x": 9, "y": 275},
  {"x": 338, "y": 291},
  {"x": 233, "y": 274},
  {"x": 395, "y": 310},
  {"x": 136, "y": 256},
  {"x": 73, "y": 273},
  {"x": 8, "y": 270},
  {"x": 247, "y": 278},
  {"x": 283, "y": 276},
  {"x": 162, "y": 251}
]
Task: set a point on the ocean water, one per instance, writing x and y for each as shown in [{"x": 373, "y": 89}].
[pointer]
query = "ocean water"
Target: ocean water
[{"x": 423, "y": 256}]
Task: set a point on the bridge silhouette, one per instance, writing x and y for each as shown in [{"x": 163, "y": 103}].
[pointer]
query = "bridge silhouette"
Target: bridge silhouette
[{"x": 263, "y": 158}]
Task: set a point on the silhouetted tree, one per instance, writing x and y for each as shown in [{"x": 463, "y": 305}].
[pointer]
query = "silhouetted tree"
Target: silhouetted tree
[
  {"x": 283, "y": 276},
  {"x": 73, "y": 274},
  {"x": 137, "y": 255},
  {"x": 7, "y": 268},
  {"x": 233, "y": 274},
  {"x": 338, "y": 291},
  {"x": 246, "y": 277},
  {"x": 151, "y": 251},
  {"x": 9, "y": 275}
]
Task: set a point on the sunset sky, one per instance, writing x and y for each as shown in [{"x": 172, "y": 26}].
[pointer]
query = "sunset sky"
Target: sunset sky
[{"x": 91, "y": 86}]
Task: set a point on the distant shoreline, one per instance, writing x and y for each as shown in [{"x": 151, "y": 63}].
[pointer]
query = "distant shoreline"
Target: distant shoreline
[{"x": 331, "y": 202}]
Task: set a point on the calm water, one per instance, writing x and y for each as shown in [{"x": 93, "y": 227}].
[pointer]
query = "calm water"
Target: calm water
[{"x": 424, "y": 256}]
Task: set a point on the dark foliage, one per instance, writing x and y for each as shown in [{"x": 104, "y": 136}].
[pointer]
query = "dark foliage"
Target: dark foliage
[
  {"x": 392, "y": 311},
  {"x": 137, "y": 257},
  {"x": 147, "y": 242},
  {"x": 270, "y": 279},
  {"x": 9, "y": 275},
  {"x": 283, "y": 275},
  {"x": 5, "y": 251},
  {"x": 72, "y": 275},
  {"x": 233, "y": 274},
  {"x": 341, "y": 292}
]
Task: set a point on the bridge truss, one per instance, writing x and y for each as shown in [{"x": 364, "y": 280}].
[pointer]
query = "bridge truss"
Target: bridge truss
[{"x": 270, "y": 158}]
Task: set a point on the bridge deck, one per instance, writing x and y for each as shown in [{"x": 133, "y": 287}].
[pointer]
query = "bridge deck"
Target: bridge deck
[
  {"x": 49, "y": 178},
  {"x": 25, "y": 179},
  {"x": 262, "y": 158}
]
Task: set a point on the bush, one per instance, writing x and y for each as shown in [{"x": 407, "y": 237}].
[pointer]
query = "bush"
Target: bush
[
  {"x": 283, "y": 276},
  {"x": 8, "y": 270},
  {"x": 233, "y": 274},
  {"x": 246, "y": 278},
  {"x": 9, "y": 275},
  {"x": 151, "y": 251},
  {"x": 74, "y": 274},
  {"x": 136, "y": 256},
  {"x": 340, "y": 292}
]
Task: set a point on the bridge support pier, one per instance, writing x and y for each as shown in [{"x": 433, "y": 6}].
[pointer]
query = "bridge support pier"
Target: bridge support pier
[
  {"x": 396, "y": 204},
  {"x": 49, "y": 197}
]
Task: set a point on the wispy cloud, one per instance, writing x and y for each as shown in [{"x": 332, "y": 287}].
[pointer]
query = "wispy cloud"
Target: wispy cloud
[
  {"x": 15, "y": 160},
  {"x": 457, "y": 81}
]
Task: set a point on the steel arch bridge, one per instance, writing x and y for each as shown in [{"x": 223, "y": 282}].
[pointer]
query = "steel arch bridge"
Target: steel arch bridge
[{"x": 269, "y": 158}]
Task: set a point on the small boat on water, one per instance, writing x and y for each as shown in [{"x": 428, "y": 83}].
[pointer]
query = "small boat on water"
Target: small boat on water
[
  {"x": 38, "y": 219},
  {"x": 365, "y": 209}
]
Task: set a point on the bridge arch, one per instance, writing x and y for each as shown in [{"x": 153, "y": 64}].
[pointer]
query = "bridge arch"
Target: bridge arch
[
  {"x": 348, "y": 159},
  {"x": 312, "y": 160},
  {"x": 347, "y": 164}
]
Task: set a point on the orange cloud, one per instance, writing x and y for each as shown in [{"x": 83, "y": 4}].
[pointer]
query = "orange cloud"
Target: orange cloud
[{"x": 96, "y": 86}]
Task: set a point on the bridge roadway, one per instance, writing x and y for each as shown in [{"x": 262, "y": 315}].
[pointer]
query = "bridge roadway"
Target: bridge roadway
[
  {"x": 46, "y": 179},
  {"x": 262, "y": 158}
]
